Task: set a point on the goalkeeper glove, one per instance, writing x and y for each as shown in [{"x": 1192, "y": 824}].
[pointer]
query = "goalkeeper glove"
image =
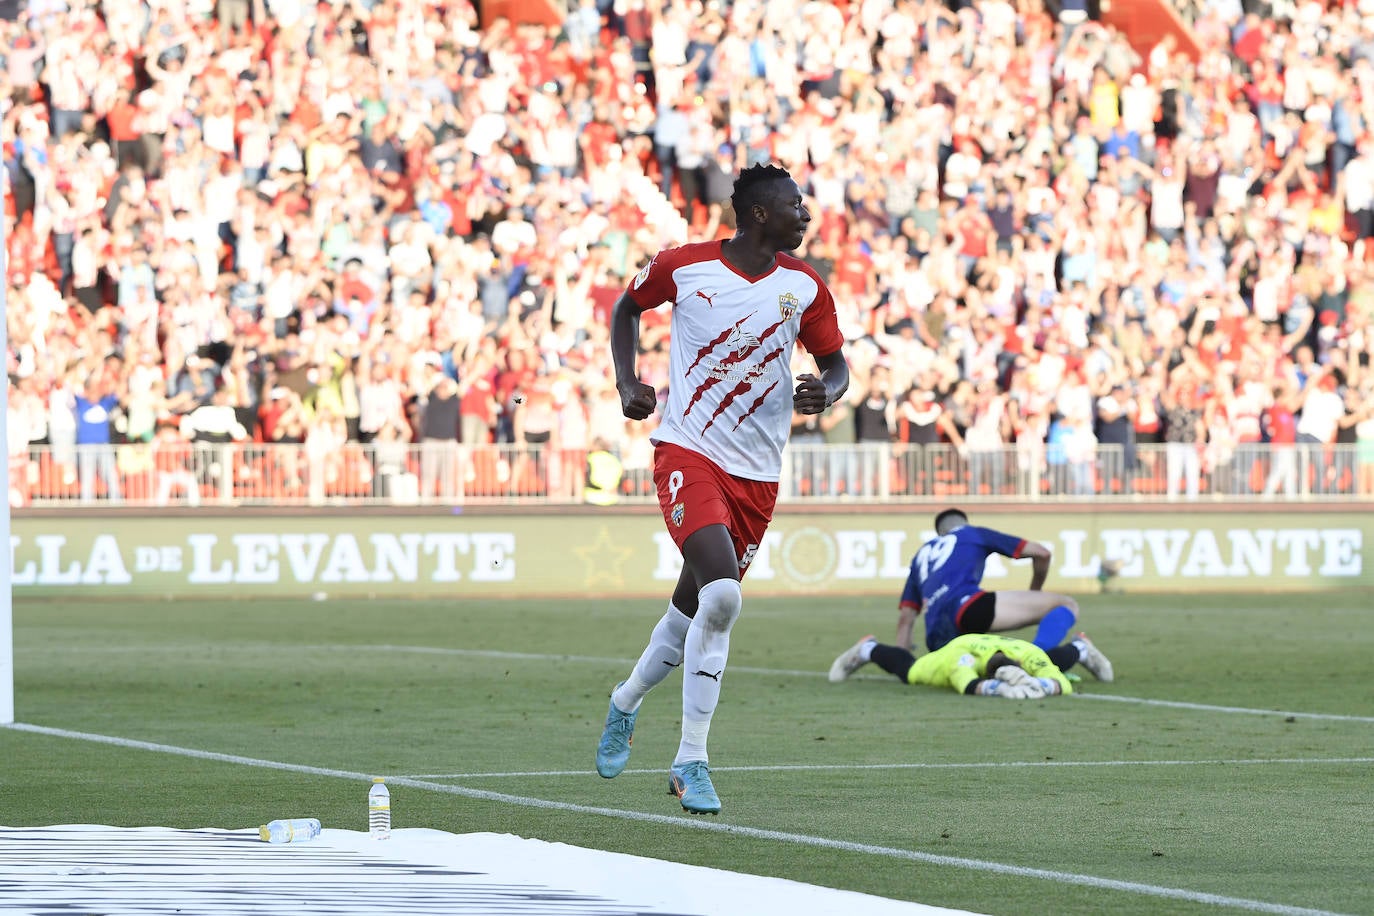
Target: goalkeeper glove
[
  {"x": 1015, "y": 675},
  {"x": 992, "y": 687},
  {"x": 1051, "y": 687}
]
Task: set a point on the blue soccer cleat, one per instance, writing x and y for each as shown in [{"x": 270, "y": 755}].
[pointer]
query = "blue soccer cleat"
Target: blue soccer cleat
[
  {"x": 691, "y": 783},
  {"x": 613, "y": 752}
]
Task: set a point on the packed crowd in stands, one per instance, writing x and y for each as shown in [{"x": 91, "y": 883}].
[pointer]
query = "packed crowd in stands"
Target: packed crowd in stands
[{"x": 377, "y": 221}]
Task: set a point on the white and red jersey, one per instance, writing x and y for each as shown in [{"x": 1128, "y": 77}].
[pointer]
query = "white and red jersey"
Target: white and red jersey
[{"x": 730, "y": 391}]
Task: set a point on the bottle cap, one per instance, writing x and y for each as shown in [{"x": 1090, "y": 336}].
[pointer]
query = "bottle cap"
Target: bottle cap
[
  {"x": 265, "y": 833},
  {"x": 379, "y": 779}
]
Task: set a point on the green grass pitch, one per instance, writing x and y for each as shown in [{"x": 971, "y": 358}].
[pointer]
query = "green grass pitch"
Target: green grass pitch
[{"x": 1193, "y": 788}]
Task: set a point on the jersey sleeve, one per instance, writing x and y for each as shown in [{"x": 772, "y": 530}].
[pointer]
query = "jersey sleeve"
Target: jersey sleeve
[
  {"x": 911, "y": 592},
  {"x": 654, "y": 285},
  {"x": 963, "y": 672},
  {"x": 1007, "y": 545},
  {"x": 820, "y": 326}
]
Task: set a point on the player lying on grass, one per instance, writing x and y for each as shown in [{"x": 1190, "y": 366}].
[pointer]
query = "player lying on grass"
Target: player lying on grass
[
  {"x": 946, "y": 582},
  {"x": 978, "y": 664}
]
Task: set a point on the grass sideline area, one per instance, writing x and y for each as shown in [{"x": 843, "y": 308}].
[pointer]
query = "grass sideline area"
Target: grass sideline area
[{"x": 1227, "y": 768}]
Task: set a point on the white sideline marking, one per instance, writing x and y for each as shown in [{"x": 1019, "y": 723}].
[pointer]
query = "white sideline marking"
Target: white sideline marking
[
  {"x": 1006, "y": 764},
  {"x": 738, "y": 669},
  {"x": 1133, "y": 887},
  {"x": 1207, "y": 707}
]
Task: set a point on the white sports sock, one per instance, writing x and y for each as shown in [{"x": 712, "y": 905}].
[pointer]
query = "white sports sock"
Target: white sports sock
[
  {"x": 660, "y": 657},
  {"x": 703, "y": 664},
  {"x": 866, "y": 650}
]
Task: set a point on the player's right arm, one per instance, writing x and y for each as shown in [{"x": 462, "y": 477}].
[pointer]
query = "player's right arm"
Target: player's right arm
[
  {"x": 964, "y": 676},
  {"x": 909, "y": 607},
  {"x": 651, "y": 287},
  {"x": 637, "y": 399},
  {"x": 906, "y": 623}
]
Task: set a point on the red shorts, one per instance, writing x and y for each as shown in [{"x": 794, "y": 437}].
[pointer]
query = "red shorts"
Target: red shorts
[{"x": 693, "y": 493}]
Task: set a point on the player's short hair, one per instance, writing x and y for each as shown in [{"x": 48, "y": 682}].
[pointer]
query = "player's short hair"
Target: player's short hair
[
  {"x": 749, "y": 189},
  {"x": 1000, "y": 659},
  {"x": 948, "y": 520}
]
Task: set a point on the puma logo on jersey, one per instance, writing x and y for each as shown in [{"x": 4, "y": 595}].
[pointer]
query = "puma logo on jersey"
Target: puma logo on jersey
[
  {"x": 709, "y": 297},
  {"x": 715, "y": 677},
  {"x": 671, "y": 664}
]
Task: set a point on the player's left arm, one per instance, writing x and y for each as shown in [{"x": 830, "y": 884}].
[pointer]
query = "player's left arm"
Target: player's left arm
[
  {"x": 820, "y": 334},
  {"x": 1033, "y": 660},
  {"x": 1040, "y": 563},
  {"x": 813, "y": 395}
]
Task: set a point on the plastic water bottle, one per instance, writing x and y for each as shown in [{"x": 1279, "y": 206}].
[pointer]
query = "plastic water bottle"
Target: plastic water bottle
[
  {"x": 295, "y": 830},
  {"x": 379, "y": 809}
]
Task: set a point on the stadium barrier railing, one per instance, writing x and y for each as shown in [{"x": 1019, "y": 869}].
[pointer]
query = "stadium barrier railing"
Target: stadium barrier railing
[{"x": 239, "y": 474}]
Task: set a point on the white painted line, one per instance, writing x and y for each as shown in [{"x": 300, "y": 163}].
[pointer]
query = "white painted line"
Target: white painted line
[
  {"x": 1132, "y": 887},
  {"x": 1006, "y": 764},
  {"x": 1206, "y": 707},
  {"x": 734, "y": 669}
]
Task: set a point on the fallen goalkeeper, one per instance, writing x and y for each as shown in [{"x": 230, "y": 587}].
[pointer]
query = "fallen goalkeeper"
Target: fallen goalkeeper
[{"x": 978, "y": 664}]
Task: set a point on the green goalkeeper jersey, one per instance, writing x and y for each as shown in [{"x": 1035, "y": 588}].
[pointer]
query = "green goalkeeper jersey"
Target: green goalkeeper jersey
[{"x": 964, "y": 660}]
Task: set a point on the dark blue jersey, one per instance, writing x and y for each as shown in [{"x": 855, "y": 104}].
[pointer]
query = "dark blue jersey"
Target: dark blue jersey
[{"x": 947, "y": 573}]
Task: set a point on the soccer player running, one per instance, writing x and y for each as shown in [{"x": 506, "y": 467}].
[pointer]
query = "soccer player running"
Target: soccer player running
[
  {"x": 977, "y": 664},
  {"x": 946, "y": 581},
  {"x": 739, "y": 307}
]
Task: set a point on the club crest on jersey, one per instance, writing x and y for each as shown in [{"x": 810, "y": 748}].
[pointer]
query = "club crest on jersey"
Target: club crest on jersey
[
  {"x": 644, "y": 274},
  {"x": 788, "y": 305},
  {"x": 677, "y": 514}
]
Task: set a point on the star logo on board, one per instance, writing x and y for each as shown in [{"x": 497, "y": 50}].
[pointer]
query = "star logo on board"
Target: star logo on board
[
  {"x": 603, "y": 560},
  {"x": 788, "y": 305}
]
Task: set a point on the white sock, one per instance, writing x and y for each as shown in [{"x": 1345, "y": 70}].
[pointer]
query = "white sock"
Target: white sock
[
  {"x": 866, "y": 650},
  {"x": 660, "y": 657},
  {"x": 703, "y": 664}
]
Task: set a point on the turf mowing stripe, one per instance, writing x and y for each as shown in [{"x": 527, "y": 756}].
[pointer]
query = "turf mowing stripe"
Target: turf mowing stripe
[
  {"x": 1006, "y": 764},
  {"x": 259, "y": 648},
  {"x": 1131, "y": 887},
  {"x": 737, "y": 669}
]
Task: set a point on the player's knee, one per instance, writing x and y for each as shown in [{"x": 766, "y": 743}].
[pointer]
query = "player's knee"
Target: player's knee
[
  {"x": 670, "y": 637},
  {"x": 718, "y": 604}
]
